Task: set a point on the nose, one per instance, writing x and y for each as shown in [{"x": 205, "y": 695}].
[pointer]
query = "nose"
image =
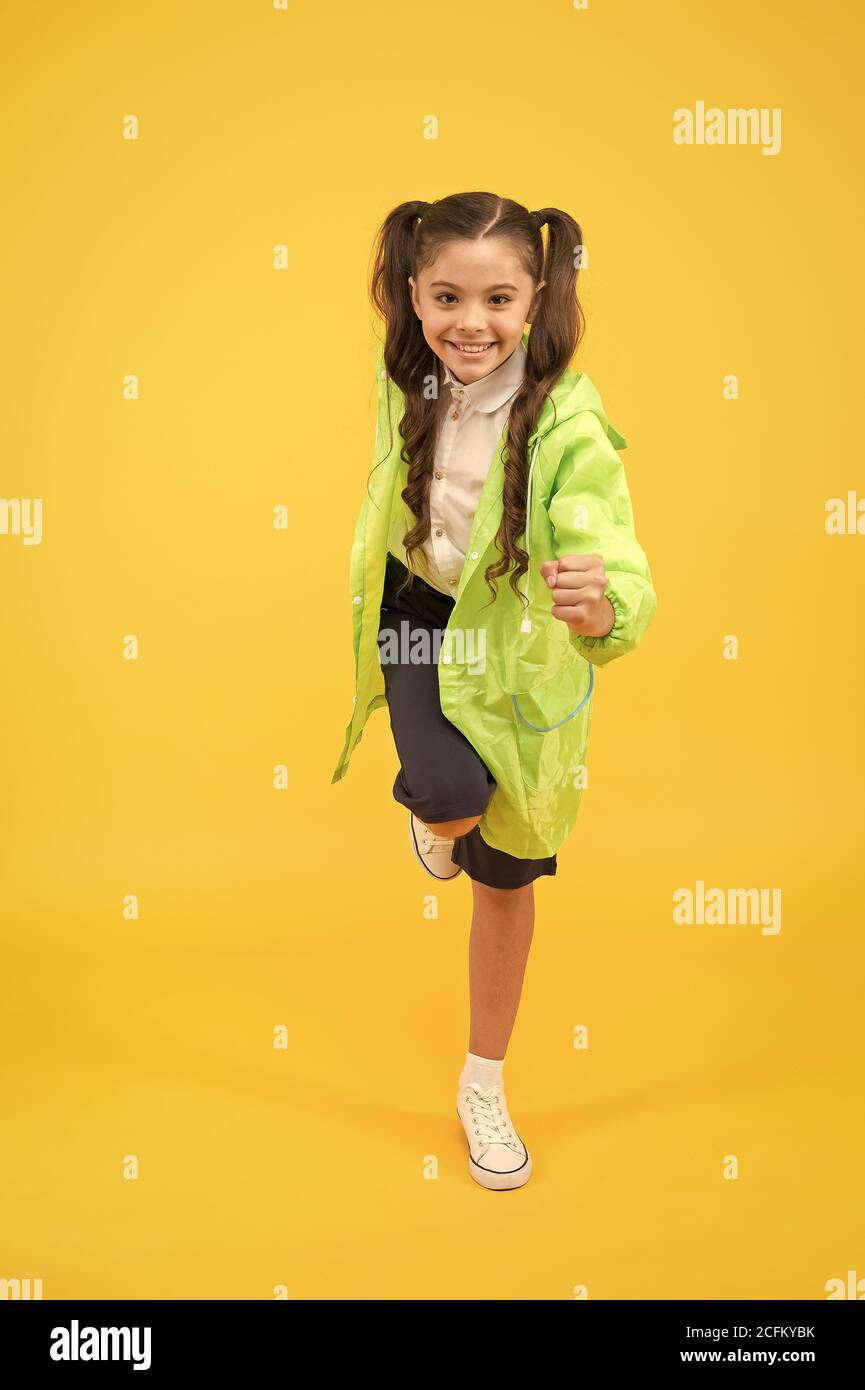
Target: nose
[{"x": 471, "y": 324}]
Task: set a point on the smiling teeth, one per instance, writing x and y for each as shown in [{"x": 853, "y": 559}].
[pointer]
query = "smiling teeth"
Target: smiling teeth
[{"x": 464, "y": 347}]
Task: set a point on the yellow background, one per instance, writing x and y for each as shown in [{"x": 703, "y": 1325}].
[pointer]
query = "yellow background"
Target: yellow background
[{"x": 258, "y": 907}]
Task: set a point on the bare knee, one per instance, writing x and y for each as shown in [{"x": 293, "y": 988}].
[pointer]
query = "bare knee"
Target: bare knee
[{"x": 451, "y": 829}]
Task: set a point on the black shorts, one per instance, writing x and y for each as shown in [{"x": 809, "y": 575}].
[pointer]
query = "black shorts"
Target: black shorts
[{"x": 442, "y": 776}]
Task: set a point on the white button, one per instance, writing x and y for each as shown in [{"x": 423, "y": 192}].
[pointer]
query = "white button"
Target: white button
[
  {"x": 439, "y": 533},
  {"x": 357, "y": 598},
  {"x": 474, "y": 554},
  {"x": 439, "y": 475},
  {"x": 455, "y": 415},
  {"x": 453, "y": 581}
]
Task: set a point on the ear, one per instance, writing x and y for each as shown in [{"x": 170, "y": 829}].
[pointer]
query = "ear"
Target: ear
[
  {"x": 536, "y": 303},
  {"x": 412, "y": 289}
]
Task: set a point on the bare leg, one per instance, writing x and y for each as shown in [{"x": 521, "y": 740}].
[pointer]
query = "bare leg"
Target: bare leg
[
  {"x": 503, "y": 922},
  {"x": 451, "y": 829},
  {"x": 502, "y": 925}
]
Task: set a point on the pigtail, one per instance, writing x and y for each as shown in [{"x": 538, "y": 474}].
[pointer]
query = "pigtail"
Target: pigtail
[
  {"x": 558, "y": 327},
  {"x": 556, "y": 332},
  {"x": 409, "y": 361}
]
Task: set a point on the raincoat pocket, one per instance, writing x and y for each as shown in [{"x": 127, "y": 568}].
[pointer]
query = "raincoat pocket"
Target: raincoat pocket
[{"x": 551, "y": 723}]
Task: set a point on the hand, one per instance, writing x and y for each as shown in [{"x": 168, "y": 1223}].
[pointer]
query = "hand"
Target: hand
[{"x": 577, "y": 584}]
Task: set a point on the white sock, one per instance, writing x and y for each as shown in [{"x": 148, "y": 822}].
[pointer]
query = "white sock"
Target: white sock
[{"x": 486, "y": 1071}]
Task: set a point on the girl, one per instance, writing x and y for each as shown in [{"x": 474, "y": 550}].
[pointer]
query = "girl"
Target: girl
[{"x": 490, "y": 440}]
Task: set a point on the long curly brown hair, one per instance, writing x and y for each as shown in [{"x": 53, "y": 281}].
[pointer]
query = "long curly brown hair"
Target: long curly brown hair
[{"x": 408, "y": 241}]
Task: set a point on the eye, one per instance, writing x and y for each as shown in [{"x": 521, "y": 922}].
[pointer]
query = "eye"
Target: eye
[{"x": 446, "y": 295}]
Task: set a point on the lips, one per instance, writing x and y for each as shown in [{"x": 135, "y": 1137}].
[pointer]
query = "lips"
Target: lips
[{"x": 471, "y": 349}]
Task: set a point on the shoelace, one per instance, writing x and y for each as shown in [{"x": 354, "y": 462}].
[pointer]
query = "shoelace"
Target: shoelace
[
  {"x": 482, "y": 1108},
  {"x": 429, "y": 842}
]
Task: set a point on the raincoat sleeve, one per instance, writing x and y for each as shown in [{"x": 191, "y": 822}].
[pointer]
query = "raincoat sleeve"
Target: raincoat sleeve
[{"x": 590, "y": 511}]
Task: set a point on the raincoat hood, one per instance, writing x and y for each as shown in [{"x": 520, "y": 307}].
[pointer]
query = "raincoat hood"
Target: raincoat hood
[{"x": 572, "y": 394}]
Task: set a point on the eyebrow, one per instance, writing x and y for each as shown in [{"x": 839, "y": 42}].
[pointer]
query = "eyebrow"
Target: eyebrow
[{"x": 449, "y": 285}]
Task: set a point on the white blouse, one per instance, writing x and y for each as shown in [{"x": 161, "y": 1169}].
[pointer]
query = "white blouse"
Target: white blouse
[{"x": 471, "y": 421}]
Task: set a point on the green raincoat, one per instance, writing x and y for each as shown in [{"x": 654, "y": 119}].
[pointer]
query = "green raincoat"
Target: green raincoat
[{"x": 526, "y": 706}]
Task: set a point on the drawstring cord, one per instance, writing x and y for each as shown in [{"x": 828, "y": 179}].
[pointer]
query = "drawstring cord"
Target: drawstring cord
[{"x": 526, "y": 624}]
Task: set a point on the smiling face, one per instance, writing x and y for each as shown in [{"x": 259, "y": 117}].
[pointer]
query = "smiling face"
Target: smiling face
[{"x": 474, "y": 302}]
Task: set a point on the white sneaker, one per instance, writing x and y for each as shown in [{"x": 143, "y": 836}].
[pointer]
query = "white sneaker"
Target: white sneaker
[
  {"x": 432, "y": 851},
  {"x": 498, "y": 1158}
]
